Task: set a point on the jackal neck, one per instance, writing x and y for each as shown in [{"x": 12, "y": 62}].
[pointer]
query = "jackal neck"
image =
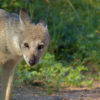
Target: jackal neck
[{"x": 14, "y": 36}]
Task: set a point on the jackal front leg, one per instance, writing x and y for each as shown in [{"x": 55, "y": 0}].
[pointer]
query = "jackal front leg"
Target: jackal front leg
[{"x": 7, "y": 78}]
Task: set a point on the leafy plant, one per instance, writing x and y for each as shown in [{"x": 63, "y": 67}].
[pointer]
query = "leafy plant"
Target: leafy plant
[{"x": 52, "y": 74}]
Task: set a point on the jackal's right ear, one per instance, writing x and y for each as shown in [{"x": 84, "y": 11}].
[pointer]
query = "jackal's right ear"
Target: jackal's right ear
[{"x": 24, "y": 17}]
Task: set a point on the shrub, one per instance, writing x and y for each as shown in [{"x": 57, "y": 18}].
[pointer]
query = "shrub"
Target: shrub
[{"x": 52, "y": 74}]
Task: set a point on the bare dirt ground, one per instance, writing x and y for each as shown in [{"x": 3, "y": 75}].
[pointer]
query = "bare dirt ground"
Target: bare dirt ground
[
  {"x": 30, "y": 93},
  {"x": 64, "y": 94}
]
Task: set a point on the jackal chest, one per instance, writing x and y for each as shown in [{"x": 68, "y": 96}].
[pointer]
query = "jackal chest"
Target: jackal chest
[
  {"x": 2, "y": 36},
  {"x": 4, "y": 57}
]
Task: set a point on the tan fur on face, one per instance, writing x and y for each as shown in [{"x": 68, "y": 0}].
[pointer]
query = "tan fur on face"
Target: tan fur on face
[
  {"x": 36, "y": 31},
  {"x": 34, "y": 35}
]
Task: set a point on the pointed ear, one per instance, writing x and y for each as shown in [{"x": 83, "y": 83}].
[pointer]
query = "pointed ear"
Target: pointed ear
[
  {"x": 24, "y": 17},
  {"x": 41, "y": 22}
]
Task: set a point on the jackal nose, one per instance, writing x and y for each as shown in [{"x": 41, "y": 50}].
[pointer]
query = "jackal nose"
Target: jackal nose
[{"x": 32, "y": 62}]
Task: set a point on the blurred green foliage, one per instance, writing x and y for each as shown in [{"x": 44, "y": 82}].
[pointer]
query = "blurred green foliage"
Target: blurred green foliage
[
  {"x": 51, "y": 73},
  {"x": 74, "y": 27}
]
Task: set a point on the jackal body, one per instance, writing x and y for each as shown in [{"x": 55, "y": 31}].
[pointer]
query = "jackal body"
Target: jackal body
[{"x": 19, "y": 38}]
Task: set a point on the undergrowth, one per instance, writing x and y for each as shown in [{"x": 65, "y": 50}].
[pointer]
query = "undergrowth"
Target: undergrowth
[{"x": 51, "y": 74}]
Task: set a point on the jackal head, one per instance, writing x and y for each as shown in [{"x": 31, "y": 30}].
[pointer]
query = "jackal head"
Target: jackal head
[{"x": 35, "y": 39}]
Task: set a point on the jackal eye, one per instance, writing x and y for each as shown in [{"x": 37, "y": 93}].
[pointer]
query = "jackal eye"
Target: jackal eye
[
  {"x": 40, "y": 46},
  {"x": 26, "y": 45}
]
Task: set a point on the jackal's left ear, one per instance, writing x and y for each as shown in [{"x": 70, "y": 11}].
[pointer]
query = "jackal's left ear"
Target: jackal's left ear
[
  {"x": 24, "y": 17},
  {"x": 41, "y": 22}
]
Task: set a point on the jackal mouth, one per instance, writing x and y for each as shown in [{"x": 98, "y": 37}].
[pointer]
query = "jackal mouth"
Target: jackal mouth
[
  {"x": 32, "y": 64},
  {"x": 32, "y": 61}
]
